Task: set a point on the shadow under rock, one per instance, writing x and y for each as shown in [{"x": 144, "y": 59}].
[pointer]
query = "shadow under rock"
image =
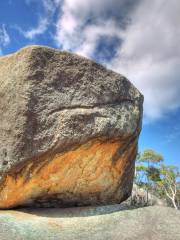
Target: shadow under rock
[{"x": 76, "y": 211}]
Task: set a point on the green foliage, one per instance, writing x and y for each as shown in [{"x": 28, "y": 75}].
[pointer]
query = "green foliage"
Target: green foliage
[
  {"x": 168, "y": 183},
  {"x": 169, "y": 175},
  {"x": 160, "y": 179},
  {"x": 169, "y": 172},
  {"x": 145, "y": 169},
  {"x": 151, "y": 156},
  {"x": 153, "y": 174},
  {"x": 140, "y": 168}
]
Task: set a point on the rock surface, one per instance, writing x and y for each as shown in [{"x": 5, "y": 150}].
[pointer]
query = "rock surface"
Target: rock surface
[
  {"x": 91, "y": 223},
  {"x": 138, "y": 198},
  {"x": 69, "y": 130}
]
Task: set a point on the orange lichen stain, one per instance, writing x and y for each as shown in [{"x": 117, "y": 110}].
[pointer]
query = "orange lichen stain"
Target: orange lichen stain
[
  {"x": 90, "y": 168},
  {"x": 54, "y": 224}
]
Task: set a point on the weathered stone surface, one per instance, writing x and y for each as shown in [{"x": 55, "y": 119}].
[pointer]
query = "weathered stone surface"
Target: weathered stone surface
[
  {"x": 69, "y": 130},
  {"x": 91, "y": 223},
  {"x": 138, "y": 198}
]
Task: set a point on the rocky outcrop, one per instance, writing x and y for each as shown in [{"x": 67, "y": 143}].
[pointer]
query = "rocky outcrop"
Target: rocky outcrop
[
  {"x": 91, "y": 223},
  {"x": 69, "y": 130},
  {"x": 140, "y": 198}
]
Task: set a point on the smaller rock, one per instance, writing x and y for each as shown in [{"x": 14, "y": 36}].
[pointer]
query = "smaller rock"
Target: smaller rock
[{"x": 139, "y": 198}]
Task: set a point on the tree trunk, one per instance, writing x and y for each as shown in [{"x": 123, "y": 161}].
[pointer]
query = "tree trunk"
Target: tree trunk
[
  {"x": 147, "y": 190},
  {"x": 174, "y": 203}
]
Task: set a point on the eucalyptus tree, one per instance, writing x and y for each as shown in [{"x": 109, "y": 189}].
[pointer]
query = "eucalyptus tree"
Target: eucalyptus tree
[
  {"x": 147, "y": 168},
  {"x": 169, "y": 183}
]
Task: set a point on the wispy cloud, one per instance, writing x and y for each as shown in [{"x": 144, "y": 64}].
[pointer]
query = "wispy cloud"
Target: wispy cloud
[
  {"x": 148, "y": 52},
  {"x": 4, "y": 37},
  {"x": 172, "y": 136},
  {"x": 45, "y": 19},
  {"x": 38, "y": 30}
]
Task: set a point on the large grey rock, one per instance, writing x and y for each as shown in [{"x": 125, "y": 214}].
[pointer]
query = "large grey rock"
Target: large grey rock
[{"x": 52, "y": 102}]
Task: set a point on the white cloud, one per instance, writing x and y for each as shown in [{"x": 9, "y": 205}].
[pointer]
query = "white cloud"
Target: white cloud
[
  {"x": 83, "y": 39},
  {"x": 49, "y": 7},
  {"x": 40, "y": 29},
  {"x": 82, "y": 23},
  {"x": 149, "y": 54},
  {"x": 173, "y": 136},
  {"x": 4, "y": 38}
]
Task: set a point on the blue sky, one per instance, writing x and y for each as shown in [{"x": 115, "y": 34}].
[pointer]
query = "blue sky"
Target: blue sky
[{"x": 138, "y": 38}]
